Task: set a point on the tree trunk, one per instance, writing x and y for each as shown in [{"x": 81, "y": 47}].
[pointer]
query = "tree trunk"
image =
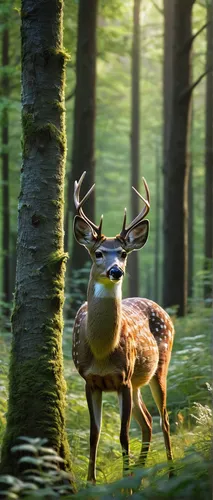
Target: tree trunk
[
  {"x": 5, "y": 169},
  {"x": 167, "y": 95},
  {"x": 83, "y": 136},
  {"x": 133, "y": 262},
  {"x": 190, "y": 231},
  {"x": 167, "y": 78},
  {"x": 157, "y": 229},
  {"x": 177, "y": 165},
  {"x": 37, "y": 388},
  {"x": 209, "y": 158}
]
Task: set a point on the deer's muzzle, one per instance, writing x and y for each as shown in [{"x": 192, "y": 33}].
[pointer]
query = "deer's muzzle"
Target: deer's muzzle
[{"x": 115, "y": 273}]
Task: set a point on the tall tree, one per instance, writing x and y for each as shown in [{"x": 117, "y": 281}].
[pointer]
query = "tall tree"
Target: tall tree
[
  {"x": 167, "y": 79},
  {"x": 133, "y": 263},
  {"x": 190, "y": 231},
  {"x": 208, "y": 246},
  {"x": 177, "y": 164},
  {"x": 37, "y": 389},
  {"x": 157, "y": 228},
  {"x": 84, "y": 129},
  {"x": 5, "y": 159}
]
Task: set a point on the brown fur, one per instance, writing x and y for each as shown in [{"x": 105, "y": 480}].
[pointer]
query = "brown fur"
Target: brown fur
[{"x": 120, "y": 345}]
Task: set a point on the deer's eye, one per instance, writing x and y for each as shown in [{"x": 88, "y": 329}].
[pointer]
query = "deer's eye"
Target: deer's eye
[
  {"x": 123, "y": 254},
  {"x": 98, "y": 254}
]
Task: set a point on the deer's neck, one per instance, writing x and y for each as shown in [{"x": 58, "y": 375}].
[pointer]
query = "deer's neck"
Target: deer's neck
[{"x": 104, "y": 317}]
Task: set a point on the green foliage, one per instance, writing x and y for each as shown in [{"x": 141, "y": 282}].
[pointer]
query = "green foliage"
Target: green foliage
[
  {"x": 189, "y": 405},
  {"x": 43, "y": 478},
  {"x": 3, "y": 385}
]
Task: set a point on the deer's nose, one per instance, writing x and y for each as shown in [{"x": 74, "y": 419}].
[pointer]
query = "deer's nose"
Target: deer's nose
[{"x": 115, "y": 273}]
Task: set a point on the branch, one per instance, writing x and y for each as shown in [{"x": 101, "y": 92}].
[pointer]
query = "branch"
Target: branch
[
  {"x": 187, "y": 92},
  {"x": 161, "y": 11},
  {"x": 187, "y": 45},
  {"x": 199, "y": 31},
  {"x": 70, "y": 96}
]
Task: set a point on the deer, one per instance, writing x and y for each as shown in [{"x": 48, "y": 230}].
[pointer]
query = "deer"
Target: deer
[{"x": 120, "y": 344}]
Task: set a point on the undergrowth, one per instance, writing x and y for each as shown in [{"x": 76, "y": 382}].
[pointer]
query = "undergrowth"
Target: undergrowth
[{"x": 189, "y": 406}]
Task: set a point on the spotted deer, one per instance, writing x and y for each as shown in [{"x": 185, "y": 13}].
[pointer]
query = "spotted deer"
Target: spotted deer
[{"x": 120, "y": 345}]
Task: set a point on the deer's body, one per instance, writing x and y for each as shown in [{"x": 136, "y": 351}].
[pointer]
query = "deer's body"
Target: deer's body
[
  {"x": 120, "y": 345},
  {"x": 141, "y": 346}
]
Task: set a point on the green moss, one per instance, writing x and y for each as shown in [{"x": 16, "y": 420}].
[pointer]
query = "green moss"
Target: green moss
[
  {"x": 44, "y": 133},
  {"x": 58, "y": 203},
  {"x": 37, "y": 386},
  {"x": 63, "y": 54},
  {"x": 40, "y": 387},
  {"x": 27, "y": 125},
  {"x": 56, "y": 258},
  {"x": 15, "y": 310},
  {"x": 58, "y": 105}
]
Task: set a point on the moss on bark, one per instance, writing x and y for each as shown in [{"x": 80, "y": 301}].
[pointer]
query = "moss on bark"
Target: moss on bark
[
  {"x": 37, "y": 386},
  {"x": 42, "y": 134}
]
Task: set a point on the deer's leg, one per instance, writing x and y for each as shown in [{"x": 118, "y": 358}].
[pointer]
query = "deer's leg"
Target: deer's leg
[
  {"x": 158, "y": 388},
  {"x": 144, "y": 419},
  {"x": 94, "y": 401},
  {"x": 125, "y": 402}
]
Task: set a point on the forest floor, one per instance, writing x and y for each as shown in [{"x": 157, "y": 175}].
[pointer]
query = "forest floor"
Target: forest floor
[{"x": 189, "y": 406}]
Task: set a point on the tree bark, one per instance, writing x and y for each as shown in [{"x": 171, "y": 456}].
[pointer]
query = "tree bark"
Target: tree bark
[
  {"x": 157, "y": 229},
  {"x": 167, "y": 80},
  {"x": 190, "y": 232},
  {"x": 177, "y": 166},
  {"x": 133, "y": 262},
  {"x": 83, "y": 140},
  {"x": 37, "y": 387},
  {"x": 208, "y": 245},
  {"x": 5, "y": 167}
]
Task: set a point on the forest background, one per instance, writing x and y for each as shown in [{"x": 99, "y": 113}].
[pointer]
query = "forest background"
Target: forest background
[{"x": 113, "y": 180}]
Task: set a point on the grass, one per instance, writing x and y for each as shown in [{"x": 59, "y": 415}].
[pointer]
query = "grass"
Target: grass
[{"x": 189, "y": 403}]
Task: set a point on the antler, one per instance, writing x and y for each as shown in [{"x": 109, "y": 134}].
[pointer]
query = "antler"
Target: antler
[
  {"x": 141, "y": 215},
  {"x": 78, "y": 204}
]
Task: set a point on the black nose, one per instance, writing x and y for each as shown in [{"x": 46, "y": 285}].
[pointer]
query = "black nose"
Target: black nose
[{"x": 115, "y": 273}]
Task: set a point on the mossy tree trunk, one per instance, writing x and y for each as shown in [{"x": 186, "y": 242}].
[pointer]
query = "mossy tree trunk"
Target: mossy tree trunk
[
  {"x": 133, "y": 262},
  {"x": 37, "y": 387},
  {"x": 5, "y": 161},
  {"x": 83, "y": 147}
]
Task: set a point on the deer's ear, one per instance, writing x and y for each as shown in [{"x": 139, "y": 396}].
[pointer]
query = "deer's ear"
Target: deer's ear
[
  {"x": 137, "y": 236},
  {"x": 83, "y": 232}
]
